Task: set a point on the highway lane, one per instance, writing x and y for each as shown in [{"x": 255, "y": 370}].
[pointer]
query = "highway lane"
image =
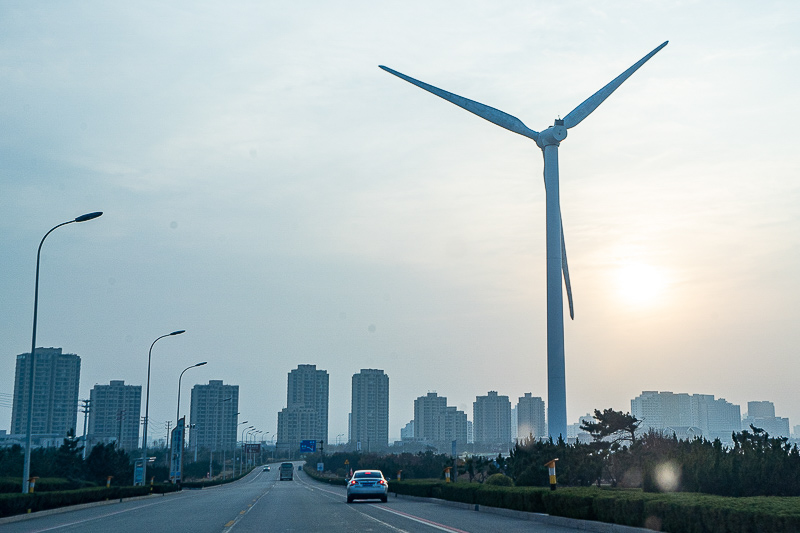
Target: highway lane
[
  {"x": 209, "y": 510},
  {"x": 260, "y": 502}
]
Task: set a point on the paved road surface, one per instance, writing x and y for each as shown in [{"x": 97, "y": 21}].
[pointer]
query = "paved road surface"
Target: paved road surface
[{"x": 260, "y": 502}]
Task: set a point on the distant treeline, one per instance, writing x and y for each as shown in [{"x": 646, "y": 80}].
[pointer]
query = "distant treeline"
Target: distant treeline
[{"x": 756, "y": 464}]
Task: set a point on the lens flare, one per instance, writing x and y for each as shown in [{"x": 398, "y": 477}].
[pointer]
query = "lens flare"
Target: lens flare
[{"x": 667, "y": 477}]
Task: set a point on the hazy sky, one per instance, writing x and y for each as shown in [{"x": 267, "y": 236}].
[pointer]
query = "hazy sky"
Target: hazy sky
[{"x": 269, "y": 189}]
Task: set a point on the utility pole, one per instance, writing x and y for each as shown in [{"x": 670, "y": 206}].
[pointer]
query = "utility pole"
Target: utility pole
[
  {"x": 168, "y": 424},
  {"x": 120, "y": 418},
  {"x": 85, "y": 408}
]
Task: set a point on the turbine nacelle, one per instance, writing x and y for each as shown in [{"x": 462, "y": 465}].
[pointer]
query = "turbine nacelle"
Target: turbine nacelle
[{"x": 553, "y": 135}]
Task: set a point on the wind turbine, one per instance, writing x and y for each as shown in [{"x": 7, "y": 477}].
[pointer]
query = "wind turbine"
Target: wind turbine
[{"x": 548, "y": 140}]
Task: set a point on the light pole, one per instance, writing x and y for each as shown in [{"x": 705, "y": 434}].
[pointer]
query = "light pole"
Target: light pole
[
  {"x": 241, "y": 459},
  {"x": 26, "y": 471},
  {"x": 178, "y": 416},
  {"x": 234, "y": 452},
  {"x": 259, "y": 432},
  {"x": 250, "y": 434},
  {"x": 147, "y": 404},
  {"x": 263, "y": 442}
]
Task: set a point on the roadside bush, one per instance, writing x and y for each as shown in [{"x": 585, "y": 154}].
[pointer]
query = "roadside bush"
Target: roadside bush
[{"x": 500, "y": 480}]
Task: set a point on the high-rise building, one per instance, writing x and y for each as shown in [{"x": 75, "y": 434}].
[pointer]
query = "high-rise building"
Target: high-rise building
[
  {"x": 439, "y": 424},
  {"x": 686, "y": 415},
  {"x": 455, "y": 427},
  {"x": 214, "y": 414},
  {"x": 114, "y": 415},
  {"x": 407, "y": 432},
  {"x": 429, "y": 412},
  {"x": 530, "y": 417},
  {"x": 761, "y": 415},
  {"x": 55, "y": 393},
  {"x": 761, "y": 409},
  {"x": 491, "y": 416},
  {"x": 369, "y": 415},
  {"x": 305, "y": 416}
]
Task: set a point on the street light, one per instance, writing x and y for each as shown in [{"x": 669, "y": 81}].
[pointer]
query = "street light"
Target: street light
[
  {"x": 26, "y": 471},
  {"x": 147, "y": 404},
  {"x": 241, "y": 459},
  {"x": 234, "y": 452},
  {"x": 250, "y": 434},
  {"x": 178, "y": 417}
]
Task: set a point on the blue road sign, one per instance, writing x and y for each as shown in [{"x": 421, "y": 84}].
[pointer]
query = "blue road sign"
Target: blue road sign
[{"x": 308, "y": 446}]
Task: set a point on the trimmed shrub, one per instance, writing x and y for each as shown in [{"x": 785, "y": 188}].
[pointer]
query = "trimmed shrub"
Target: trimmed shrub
[{"x": 501, "y": 480}]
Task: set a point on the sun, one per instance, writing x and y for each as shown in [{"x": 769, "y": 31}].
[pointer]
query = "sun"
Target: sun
[{"x": 640, "y": 283}]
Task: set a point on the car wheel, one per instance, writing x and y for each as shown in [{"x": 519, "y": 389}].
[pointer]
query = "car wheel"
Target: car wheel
[
  {"x": 349, "y": 499},
  {"x": 384, "y": 498}
]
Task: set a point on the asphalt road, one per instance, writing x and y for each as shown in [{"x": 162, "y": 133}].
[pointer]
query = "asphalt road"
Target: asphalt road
[{"x": 260, "y": 502}]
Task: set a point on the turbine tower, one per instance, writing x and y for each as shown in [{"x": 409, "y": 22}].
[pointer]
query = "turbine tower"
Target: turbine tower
[{"x": 548, "y": 140}]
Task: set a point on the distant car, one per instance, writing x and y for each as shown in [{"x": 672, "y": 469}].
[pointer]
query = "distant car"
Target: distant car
[
  {"x": 287, "y": 471},
  {"x": 367, "y": 485},
  {"x": 266, "y": 468}
]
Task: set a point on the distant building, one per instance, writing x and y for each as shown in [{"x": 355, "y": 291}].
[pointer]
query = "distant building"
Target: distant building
[
  {"x": 761, "y": 409},
  {"x": 407, "y": 432},
  {"x": 369, "y": 415},
  {"x": 762, "y": 415},
  {"x": 491, "y": 416},
  {"x": 305, "y": 416},
  {"x": 55, "y": 394},
  {"x": 214, "y": 414},
  {"x": 429, "y": 412},
  {"x": 530, "y": 417},
  {"x": 684, "y": 414},
  {"x": 439, "y": 425},
  {"x": 114, "y": 411}
]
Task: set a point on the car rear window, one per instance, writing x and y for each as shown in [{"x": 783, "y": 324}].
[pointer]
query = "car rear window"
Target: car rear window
[{"x": 376, "y": 475}]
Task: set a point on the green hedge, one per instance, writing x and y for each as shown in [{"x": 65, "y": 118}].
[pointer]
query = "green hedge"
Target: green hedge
[
  {"x": 45, "y": 484},
  {"x": 11, "y": 504},
  {"x": 331, "y": 480},
  {"x": 675, "y": 512},
  {"x": 212, "y": 482}
]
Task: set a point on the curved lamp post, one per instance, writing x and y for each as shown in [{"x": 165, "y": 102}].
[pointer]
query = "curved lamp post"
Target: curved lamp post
[
  {"x": 26, "y": 472},
  {"x": 178, "y": 414},
  {"x": 241, "y": 459},
  {"x": 147, "y": 404},
  {"x": 235, "y": 444}
]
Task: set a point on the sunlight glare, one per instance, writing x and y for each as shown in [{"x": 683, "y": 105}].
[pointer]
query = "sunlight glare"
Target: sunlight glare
[{"x": 640, "y": 284}]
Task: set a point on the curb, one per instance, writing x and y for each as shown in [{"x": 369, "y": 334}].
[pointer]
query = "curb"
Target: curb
[
  {"x": 78, "y": 507},
  {"x": 573, "y": 523}
]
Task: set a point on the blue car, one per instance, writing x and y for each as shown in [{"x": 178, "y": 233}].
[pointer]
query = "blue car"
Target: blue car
[{"x": 367, "y": 485}]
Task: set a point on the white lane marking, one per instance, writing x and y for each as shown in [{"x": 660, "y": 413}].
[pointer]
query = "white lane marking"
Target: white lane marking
[
  {"x": 431, "y": 523},
  {"x": 242, "y": 514},
  {"x": 417, "y": 519},
  {"x": 338, "y": 498},
  {"x": 98, "y": 517}
]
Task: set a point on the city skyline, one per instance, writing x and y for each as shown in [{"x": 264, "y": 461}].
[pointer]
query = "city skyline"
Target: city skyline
[
  {"x": 299, "y": 392},
  {"x": 267, "y": 188}
]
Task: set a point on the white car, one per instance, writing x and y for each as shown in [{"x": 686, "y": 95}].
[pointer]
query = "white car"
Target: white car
[{"x": 367, "y": 485}]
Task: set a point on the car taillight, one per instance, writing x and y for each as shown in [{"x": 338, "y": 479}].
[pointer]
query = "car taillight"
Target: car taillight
[
  {"x": 352, "y": 481},
  {"x": 381, "y": 482}
]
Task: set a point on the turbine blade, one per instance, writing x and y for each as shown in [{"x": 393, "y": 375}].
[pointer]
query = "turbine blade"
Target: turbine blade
[
  {"x": 590, "y": 104},
  {"x": 504, "y": 120},
  {"x": 565, "y": 270}
]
